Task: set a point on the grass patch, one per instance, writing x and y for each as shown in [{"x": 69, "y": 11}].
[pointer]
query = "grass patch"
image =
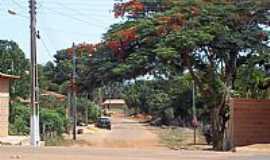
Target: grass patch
[
  {"x": 61, "y": 141},
  {"x": 182, "y": 138},
  {"x": 5, "y": 144},
  {"x": 58, "y": 141}
]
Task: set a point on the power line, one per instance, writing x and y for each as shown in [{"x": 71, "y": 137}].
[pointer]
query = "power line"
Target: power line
[
  {"x": 80, "y": 3},
  {"x": 82, "y": 6},
  {"x": 75, "y": 11},
  {"x": 46, "y": 48},
  {"x": 24, "y": 8},
  {"x": 83, "y": 9},
  {"x": 74, "y": 18},
  {"x": 51, "y": 43},
  {"x": 66, "y": 31},
  {"x": 22, "y": 16},
  {"x": 19, "y": 5}
]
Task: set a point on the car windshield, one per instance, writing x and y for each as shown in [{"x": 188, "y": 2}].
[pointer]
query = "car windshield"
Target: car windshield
[{"x": 104, "y": 120}]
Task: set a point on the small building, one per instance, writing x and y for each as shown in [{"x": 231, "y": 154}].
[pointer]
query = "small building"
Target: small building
[
  {"x": 114, "y": 104},
  {"x": 4, "y": 102},
  {"x": 58, "y": 96}
]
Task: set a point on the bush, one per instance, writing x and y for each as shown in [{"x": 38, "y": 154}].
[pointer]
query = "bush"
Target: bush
[
  {"x": 87, "y": 108},
  {"x": 19, "y": 119},
  {"x": 93, "y": 111},
  {"x": 52, "y": 121}
]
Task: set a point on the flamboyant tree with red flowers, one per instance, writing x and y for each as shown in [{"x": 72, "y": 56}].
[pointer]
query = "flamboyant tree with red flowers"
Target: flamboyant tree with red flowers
[{"x": 210, "y": 39}]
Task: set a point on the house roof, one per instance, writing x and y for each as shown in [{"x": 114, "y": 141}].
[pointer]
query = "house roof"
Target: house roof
[
  {"x": 54, "y": 94},
  {"x": 7, "y": 76},
  {"x": 22, "y": 100},
  {"x": 114, "y": 101}
]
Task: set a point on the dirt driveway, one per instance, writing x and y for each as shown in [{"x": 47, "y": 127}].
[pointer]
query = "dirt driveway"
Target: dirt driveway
[{"x": 125, "y": 133}]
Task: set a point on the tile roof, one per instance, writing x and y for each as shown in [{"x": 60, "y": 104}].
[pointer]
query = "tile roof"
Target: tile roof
[
  {"x": 7, "y": 76},
  {"x": 114, "y": 101}
]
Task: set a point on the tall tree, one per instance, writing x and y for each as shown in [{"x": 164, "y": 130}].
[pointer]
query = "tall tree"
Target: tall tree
[
  {"x": 207, "y": 38},
  {"x": 13, "y": 61}
]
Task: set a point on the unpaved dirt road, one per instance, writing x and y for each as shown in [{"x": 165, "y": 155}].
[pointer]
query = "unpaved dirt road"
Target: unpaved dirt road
[
  {"x": 125, "y": 133},
  {"x": 86, "y": 153},
  {"x": 128, "y": 140}
]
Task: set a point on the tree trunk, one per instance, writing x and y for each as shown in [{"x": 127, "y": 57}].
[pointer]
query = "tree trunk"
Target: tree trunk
[
  {"x": 217, "y": 129},
  {"x": 219, "y": 118},
  {"x": 219, "y": 115}
]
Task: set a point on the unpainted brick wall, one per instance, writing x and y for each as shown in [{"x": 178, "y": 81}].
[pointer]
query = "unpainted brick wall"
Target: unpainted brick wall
[
  {"x": 4, "y": 107},
  {"x": 250, "y": 120}
]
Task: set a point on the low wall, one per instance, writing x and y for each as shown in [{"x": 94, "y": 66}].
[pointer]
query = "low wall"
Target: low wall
[
  {"x": 250, "y": 121},
  {"x": 4, "y": 107}
]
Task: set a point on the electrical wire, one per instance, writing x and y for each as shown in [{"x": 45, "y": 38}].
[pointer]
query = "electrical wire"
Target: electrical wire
[
  {"x": 51, "y": 43},
  {"x": 21, "y": 7},
  {"x": 46, "y": 48},
  {"x": 18, "y": 4},
  {"x": 74, "y": 18},
  {"x": 66, "y": 31},
  {"x": 77, "y": 11}
]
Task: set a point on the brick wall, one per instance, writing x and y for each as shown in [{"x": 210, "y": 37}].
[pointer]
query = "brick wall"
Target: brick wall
[
  {"x": 4, "y": 107},
  {"x": 250, "y": 120}
]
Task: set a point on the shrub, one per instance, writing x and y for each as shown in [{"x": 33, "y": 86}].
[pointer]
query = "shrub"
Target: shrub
[
  {"x": 19, "y": 119},
  {"x": 93, "y": 111},
  {"x": 52, "y": 121}
]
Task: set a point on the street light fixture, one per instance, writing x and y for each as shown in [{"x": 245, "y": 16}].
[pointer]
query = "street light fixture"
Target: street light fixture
[{"x": 12, "y": 12}]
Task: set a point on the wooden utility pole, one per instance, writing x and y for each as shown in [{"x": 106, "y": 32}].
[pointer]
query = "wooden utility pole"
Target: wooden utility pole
[
  {"x": 194, "y": 121},
  {"x": 35, "y": 135},
  {"x": 74, "y": 102}
]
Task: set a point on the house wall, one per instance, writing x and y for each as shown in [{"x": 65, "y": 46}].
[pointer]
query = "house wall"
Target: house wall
[
  {"x": 250, "y": 120},
  {"x": 115, "y": 107},
  {"x": 4, "y": 107}
]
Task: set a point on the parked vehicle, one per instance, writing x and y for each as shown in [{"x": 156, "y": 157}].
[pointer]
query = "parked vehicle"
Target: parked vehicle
[{"x": 104, "y": 122}]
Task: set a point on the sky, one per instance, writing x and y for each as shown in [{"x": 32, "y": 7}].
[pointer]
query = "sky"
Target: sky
[{"x": 59, "y": 22}]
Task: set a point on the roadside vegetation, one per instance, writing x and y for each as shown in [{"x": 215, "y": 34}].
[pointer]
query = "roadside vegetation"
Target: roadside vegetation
[{"x": 178, "y": 138}]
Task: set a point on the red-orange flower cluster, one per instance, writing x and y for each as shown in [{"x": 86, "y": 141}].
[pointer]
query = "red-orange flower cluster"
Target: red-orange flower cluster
[
  {"x": 86, "y": 48},
  {"x": 133, "y": 6},
  {"x": 170, "y": 23},
  {"x": 83, "y": 48},
  {"x": 125, "y": 37}
]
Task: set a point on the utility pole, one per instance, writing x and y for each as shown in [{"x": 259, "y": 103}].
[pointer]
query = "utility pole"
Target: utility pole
[
  {"x": 74, "y": 104},
  {"x": 35, "y": 135},
  {"x": 194, "y": 121}
]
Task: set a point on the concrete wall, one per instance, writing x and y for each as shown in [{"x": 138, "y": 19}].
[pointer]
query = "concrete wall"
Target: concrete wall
[
  {"x": 4, "y": 107},
  {"x": 115, "y": 107},
  {"x": 250, "y": 121}
]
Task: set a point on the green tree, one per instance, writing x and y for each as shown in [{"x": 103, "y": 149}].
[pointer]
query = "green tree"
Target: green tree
[{"x": 13, "y": 61}]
